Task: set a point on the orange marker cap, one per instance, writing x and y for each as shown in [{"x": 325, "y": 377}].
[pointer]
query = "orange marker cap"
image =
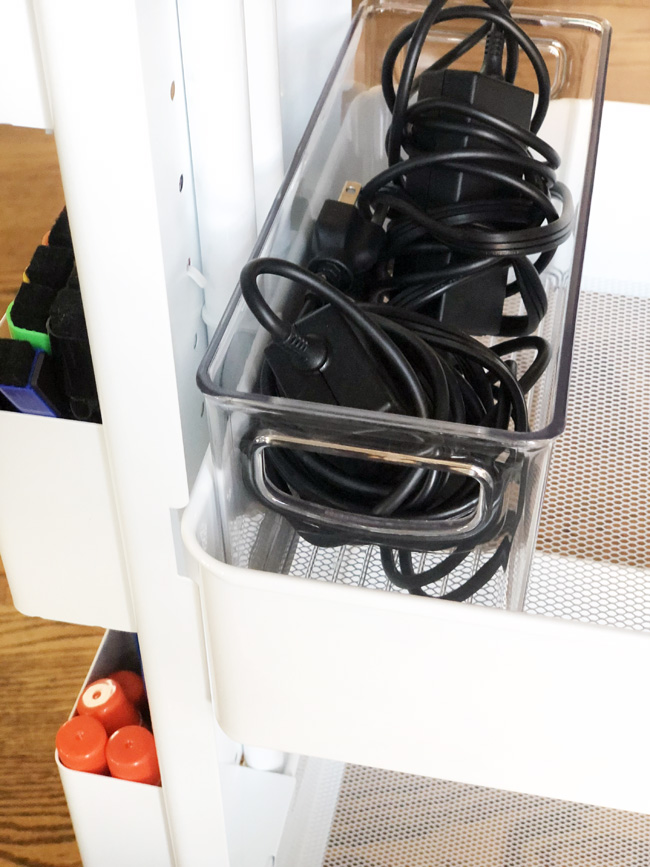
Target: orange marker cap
[
  {"x": 132, "y": 684},
  {"x": 105, "y": 700},
  {"x": 131, "y": 755},
  {"x": 81, "y": 744}
]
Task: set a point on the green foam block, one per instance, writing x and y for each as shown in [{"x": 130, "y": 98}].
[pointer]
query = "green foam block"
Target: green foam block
[{"x": 38, "y": 339}]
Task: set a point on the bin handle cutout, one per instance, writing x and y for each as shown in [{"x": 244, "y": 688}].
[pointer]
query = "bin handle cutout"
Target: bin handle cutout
[{"x": 399, "y": 532}]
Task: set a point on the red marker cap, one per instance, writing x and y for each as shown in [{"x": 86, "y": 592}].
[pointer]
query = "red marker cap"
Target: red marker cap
[
  {"x": 132, "y": 684},
  {"x": 81, "y": 744},
  {"x": 131, "y": 755},
  {"x": 105, "y": 700}
]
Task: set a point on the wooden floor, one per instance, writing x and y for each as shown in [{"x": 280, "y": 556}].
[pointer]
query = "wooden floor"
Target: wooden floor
[{"x": 42, "y": 664}]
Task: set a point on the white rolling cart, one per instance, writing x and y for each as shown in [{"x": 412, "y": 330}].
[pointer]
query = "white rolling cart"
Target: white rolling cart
[
  {"x": 111, "y": 83},
  {"x": 174, "y": 122}
]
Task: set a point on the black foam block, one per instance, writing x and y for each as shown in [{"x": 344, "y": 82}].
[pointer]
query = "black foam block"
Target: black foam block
[
  {"x": 16, "y": 359},
  {"x": 60, "y": 232},
  {"x": 50, "y": 266},
  {"x": 71, "y": 352},
  {"x": 6, "y": 405},
  {"x": 32, "y": 306}
]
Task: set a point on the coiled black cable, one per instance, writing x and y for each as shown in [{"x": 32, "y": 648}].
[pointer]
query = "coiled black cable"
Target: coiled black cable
[
  {"x": 434, "y": 249},
  {"x": 439, "y": 373}
]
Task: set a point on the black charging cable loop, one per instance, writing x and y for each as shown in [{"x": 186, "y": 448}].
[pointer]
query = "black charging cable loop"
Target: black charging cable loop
[
  {"x": 415, "y": 35},
  {"x": 472, "y": 238},
  {"x": 440, "y": 373}
]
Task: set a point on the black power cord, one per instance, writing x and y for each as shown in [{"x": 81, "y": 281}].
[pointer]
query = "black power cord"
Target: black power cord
[
  {"x": 402, "y": 273},
  {"x": 471, "y": 201},
  {"x": 426, "y": 369}
]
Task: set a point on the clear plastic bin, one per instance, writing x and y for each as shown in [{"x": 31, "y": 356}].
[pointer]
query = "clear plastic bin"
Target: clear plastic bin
[{"x": 345, "y": 140}]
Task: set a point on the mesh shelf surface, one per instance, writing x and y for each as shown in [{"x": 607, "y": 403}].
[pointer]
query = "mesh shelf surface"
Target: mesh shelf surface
[
  {"x": 384, "y": 819},
  {"x": 595, "y": 524},
  {"x": 361, "y": 567}
]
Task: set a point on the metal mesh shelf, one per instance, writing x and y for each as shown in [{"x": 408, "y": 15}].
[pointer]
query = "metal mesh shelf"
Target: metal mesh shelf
[
  {"x": 384, "y": 819},
  {"x": 595, "y": 525}
]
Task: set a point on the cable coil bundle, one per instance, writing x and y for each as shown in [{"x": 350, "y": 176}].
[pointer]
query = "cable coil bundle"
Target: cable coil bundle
[{"x": 463, "y": 218}]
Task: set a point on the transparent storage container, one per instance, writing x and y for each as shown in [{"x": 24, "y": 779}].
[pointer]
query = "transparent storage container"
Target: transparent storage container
[{"x": 345, "y": 140}]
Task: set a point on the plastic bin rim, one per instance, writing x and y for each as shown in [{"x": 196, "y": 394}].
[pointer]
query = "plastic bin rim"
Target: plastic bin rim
[
  {"x": 574, "y": 18},
  {"x": 389, "y": 421}
]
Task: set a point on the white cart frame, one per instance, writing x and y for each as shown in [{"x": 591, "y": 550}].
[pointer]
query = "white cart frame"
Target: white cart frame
[
  {"x": 148, "y": 99},
  {"x": 110, "y": 80}
]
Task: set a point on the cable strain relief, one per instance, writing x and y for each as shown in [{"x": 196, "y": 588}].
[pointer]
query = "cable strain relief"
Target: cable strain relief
[
  {"x": 309, "y": 353},
  {"x": 493, "y": 54},
  {"x": 333, "y": 271}
]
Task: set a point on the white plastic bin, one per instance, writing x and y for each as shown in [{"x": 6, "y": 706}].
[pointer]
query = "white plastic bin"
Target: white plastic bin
[
  {"x": 116, "y": 821},
  {"x": 459, "y": 692},
  {"x": 59, "y": 535}
]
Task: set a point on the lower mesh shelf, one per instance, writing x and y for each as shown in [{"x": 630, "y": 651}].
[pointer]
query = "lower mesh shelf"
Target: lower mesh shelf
[{"x": 384, "y": 819}]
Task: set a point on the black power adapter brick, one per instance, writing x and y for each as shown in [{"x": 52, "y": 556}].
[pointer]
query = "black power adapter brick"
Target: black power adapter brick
[
  {"x": 450, "y": 228},
  {"x": 346, "y": 374},
  {"x": 443, "y": 185},
  {"x": 475, "y": 304},
  {"x": 322, "y": 357}
]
